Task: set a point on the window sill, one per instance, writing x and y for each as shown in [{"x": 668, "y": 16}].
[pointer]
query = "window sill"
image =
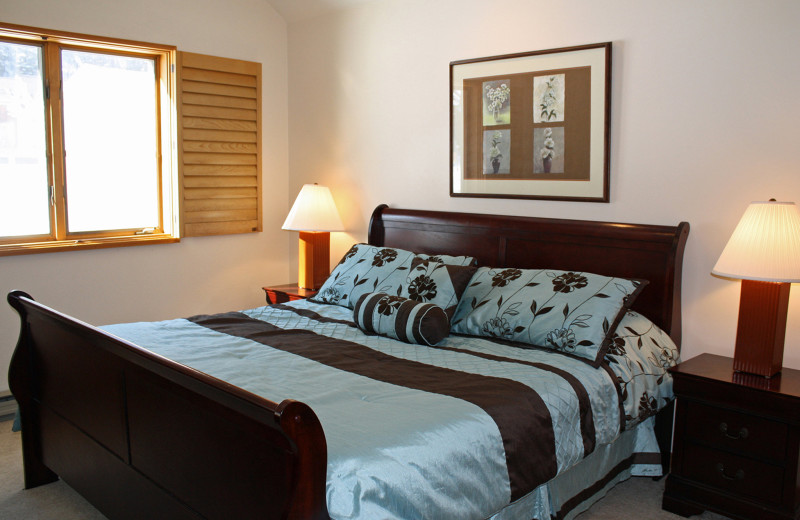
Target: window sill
[{"x": 87, "y": 243}]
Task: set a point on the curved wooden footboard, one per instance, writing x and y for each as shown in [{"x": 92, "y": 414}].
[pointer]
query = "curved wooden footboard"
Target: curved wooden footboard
[{"x": 136, "y": 433}]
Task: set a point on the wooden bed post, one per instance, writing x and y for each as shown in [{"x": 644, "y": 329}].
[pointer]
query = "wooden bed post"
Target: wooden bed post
[
  {"x": 21, "y": 382},
  {"x": 375, "y": 233},
  {"x": 303, "y": 426}
]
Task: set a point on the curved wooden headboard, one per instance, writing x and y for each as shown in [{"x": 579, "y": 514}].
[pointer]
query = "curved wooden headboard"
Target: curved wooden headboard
[{"x": 642, "y": 251}]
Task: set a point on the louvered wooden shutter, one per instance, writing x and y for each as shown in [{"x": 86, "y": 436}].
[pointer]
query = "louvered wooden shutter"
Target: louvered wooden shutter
[{"x": 219, "y": 134}]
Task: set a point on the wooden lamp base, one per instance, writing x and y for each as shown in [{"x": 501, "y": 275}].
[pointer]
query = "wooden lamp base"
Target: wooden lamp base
[
  {"x": 314, "y": 256},
  {"x": 762, "y": 327}
]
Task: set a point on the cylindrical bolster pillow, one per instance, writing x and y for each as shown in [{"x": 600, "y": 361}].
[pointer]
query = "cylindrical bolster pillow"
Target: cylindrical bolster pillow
[{"x": 400, "y": 318}]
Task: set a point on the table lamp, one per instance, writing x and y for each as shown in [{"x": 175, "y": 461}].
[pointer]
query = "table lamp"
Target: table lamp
[
  {"x": 764, "y": 252},
  {"x": 314, "y": 215}
]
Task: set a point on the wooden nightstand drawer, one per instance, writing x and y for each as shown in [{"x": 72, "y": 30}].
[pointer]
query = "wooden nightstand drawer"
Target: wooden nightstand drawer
[
  {"x": 728, "y": 472},
  {"x": 745, "y": 434},
  {"x": 736, "y": 442}
]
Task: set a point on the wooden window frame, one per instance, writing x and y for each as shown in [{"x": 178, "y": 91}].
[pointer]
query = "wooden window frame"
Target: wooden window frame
[{"x": 52, "y": 42}]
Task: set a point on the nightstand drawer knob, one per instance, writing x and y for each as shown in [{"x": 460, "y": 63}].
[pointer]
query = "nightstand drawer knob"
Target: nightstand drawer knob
[
  {"x": 739, "y": 475},
  {"x": 723, "y": 427}
]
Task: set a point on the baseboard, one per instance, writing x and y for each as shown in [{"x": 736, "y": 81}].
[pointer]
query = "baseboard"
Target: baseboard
[{"x": 8, "y": 406}]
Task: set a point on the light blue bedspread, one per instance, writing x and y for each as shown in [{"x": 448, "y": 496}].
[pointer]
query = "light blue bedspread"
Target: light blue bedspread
[{"x": 393, "y": 451}]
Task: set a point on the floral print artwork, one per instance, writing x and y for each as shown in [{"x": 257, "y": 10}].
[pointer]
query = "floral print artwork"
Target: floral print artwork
[
  {"x": 548, "y": 98},
  {"x": 549, "y": 145},
  {"x": 496, "y": 102},
  {"x": 496, "y": 152},
  {"x": 566, "y": 311}
]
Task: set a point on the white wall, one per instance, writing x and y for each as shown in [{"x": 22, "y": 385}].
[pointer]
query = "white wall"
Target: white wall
[
  {"x": 705, "y": 109},
  {"x": 704, "y": 112},
  {"x": 198, "y": 275}
]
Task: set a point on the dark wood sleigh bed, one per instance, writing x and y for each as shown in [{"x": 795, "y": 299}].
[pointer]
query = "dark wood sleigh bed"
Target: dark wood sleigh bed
[{"x": 140, "y": 436}]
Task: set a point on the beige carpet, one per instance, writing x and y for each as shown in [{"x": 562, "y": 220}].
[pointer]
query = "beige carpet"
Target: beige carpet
[
  {"x": 637, "y": 498},
  {"x": 55, "y": 501}
]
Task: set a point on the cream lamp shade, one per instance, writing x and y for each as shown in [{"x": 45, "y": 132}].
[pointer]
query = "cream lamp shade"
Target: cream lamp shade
[
  {"x": 314, "y": 215},
  {"x": 764, "y": 252},
  {"x": 765, "y": 246},
  {"x": 313, "y": 210}
]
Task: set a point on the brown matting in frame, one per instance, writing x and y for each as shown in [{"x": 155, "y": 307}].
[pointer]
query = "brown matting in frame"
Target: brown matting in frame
[{"x": 525, "y": 134}]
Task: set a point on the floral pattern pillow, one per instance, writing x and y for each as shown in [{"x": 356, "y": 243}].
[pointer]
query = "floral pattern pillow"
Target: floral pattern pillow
[
  {"x": 402, "y": 319},
  {"x": 448, "y": 259},
  {"x": 639, "y": 354},
  {"x": 437, "y": 283},
  {"x": 366, "y": 269},
  {"x": 566, "y": 311}
]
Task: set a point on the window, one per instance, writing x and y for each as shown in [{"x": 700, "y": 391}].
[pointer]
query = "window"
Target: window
[
  {"x": 86, "y": 132},
  {"x": 23, "y": 151},
  {"x": 111, "y": 143}
]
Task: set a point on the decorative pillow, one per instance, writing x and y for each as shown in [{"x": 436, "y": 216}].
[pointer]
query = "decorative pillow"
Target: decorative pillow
[
  {"x": 571, "y": 312},
  {"x": 436, "y": 283},
  {"x": 639, "y": 354},
  {"x": 366, "y": 269},
  {"x": 401, "y": 318},
  {"x": 449, "y": 260}
]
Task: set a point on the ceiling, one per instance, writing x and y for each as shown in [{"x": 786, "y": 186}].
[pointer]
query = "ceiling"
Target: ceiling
[{"x": 297, "y": 10}]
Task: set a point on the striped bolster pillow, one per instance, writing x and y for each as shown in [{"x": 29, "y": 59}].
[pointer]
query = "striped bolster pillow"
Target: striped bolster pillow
[{"x": 400, "y": 318}]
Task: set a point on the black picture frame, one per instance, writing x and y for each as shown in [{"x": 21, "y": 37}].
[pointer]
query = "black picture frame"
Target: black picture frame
[{"x": 532, "y": 125}]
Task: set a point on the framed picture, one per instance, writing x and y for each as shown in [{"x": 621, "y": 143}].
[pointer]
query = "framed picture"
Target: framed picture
[{"x": 532, "y": 125}]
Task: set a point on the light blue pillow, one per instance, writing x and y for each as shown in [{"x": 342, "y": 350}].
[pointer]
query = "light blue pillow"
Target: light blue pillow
[
  {"x": 437, "y": 283},
  {"x": 640, "y": 353},
  {"x": 570, "y": 312},
  {"x": 366, "y": 269}
]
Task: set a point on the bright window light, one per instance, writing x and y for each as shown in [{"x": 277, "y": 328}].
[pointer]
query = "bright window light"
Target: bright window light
[
  {"x": 111, "y": 141},
  {"x": 23, "y": 153}
]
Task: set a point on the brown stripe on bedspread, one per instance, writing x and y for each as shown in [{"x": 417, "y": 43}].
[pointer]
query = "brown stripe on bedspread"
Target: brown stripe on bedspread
[
  {"x": 587, "y": 417},
  {"x": 306, "y": 313},
  {"x": 518, "y": 411}
]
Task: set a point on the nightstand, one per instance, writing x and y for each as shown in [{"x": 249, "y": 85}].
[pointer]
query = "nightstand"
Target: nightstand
[
  {"x": 286, "y": 293},
  {"x": 736, "y": 442}
]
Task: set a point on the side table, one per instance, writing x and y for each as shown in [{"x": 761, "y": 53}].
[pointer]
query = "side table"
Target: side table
[
  {"x": 286, "y": 293},
  {"x": 736, "y": 442}
]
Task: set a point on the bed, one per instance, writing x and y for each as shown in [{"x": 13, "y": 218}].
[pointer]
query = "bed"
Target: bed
[{"x": 141, "y": 435}]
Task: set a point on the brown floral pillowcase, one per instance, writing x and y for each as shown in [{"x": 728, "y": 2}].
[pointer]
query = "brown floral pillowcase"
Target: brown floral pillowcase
[
  {"x": 367, "y": 269},
  {"x": 570, "y": 312}
]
